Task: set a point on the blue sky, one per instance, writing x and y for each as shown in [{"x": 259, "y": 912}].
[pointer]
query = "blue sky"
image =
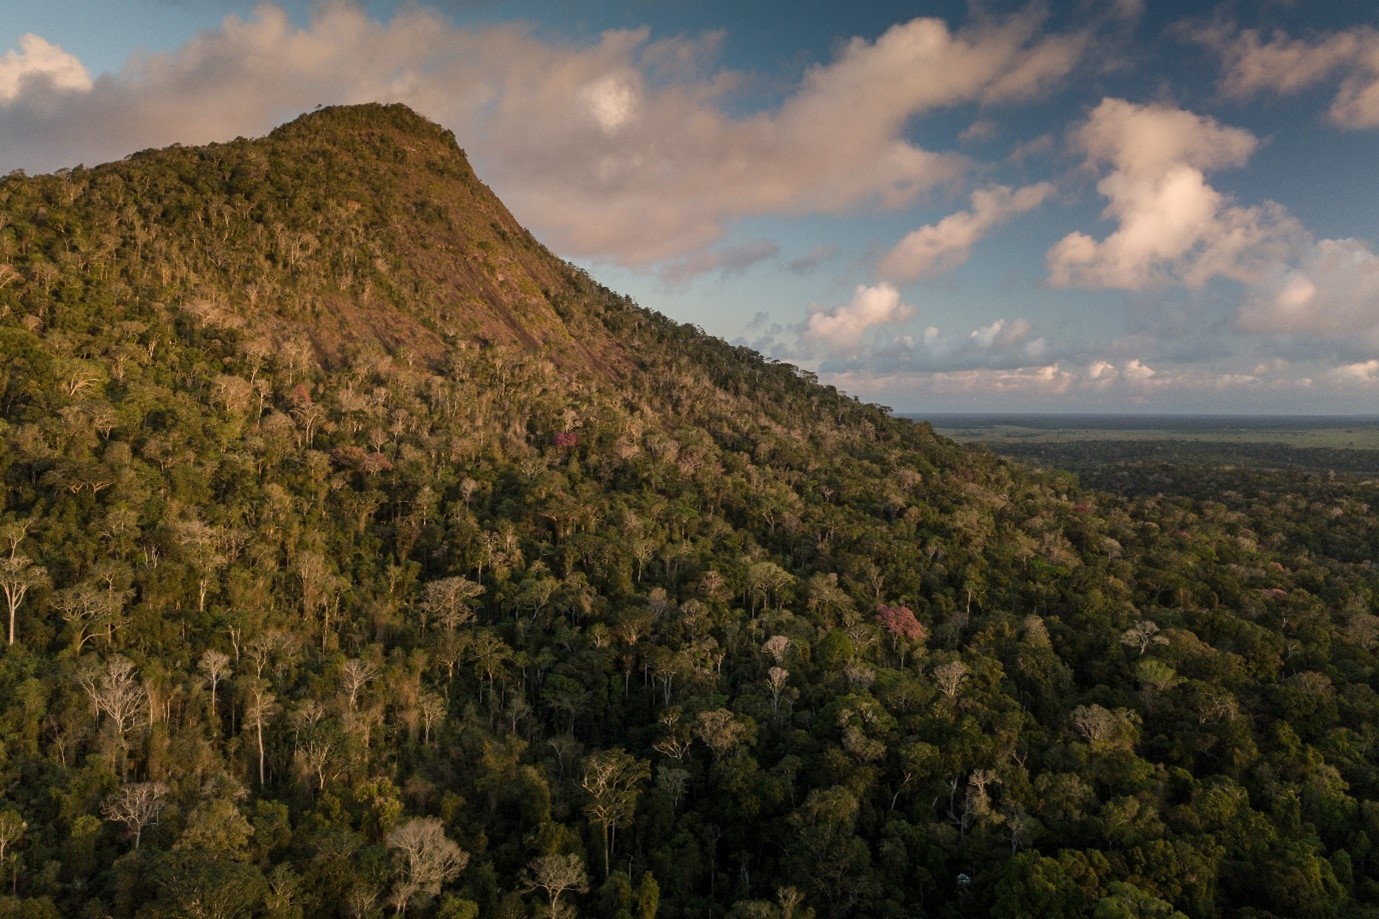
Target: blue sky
[{"x": 1109, "y": 205}]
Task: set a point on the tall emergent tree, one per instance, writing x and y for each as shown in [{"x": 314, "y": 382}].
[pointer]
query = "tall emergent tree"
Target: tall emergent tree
[{"x": 613, "y": 779}]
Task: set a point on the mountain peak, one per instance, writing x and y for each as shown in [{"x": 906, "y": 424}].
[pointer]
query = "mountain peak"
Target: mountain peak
[
  {"x": 352, "y": 227},
  {"x": 395, "y": 118}
]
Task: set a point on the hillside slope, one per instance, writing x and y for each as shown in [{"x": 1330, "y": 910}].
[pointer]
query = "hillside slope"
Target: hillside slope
[{"x": 362, "y": 554}]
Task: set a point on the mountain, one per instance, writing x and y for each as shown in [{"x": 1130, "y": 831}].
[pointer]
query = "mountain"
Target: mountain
[
  {"x": 358, "y": 553},
  {"x": 351, "y": 227}
]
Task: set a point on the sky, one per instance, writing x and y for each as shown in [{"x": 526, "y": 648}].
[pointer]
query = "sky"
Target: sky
[{"x": 982, "y": 206}]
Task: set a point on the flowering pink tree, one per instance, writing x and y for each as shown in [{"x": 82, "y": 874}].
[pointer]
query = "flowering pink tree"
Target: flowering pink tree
[{"x": 904, "y": 628}]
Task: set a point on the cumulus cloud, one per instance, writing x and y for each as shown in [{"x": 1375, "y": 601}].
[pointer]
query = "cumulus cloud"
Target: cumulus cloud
[
  {"x": 1003, "y": 344},
  {"x": 1171, "y": 225},
  {"x": 840, "y": 329},
  {"x": 947, "y": 244},
  {"x": 1360, "y": 372},
  {"x": 637, "y": 131},
  {"x": 1100, "y": 384},
  {"x": 1282, "y": 64},
  {"x": 39, "y": 65},
  {"x": 979, "y": 387},
  {"x": 1331, "y": 292}
]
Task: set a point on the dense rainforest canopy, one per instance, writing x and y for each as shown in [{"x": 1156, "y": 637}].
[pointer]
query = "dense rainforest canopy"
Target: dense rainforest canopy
[{"x": 359, "y": 556}]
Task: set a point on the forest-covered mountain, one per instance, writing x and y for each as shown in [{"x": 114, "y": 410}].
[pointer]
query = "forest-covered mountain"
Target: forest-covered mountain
[{"x": 360, "y": 556}]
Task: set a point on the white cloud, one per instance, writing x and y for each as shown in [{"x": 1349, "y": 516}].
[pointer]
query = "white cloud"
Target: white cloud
[
  {"x": 1171, "y": 225},
  {"x": 1001, "y": 333},
  {"x": 1098, "y": 384},
  {"x": 1286, "y": 65},
  {"x": 1004, "y": 344},
  {"x": 1050, "y": 380},
  {"x": 634, "y": 130},
  {"x": 1331, "y": 292},
  {"x": 947, "y": 244},
  {"x": 1361, "y": 372},
  {"x": 1138, "y": 373},
  {"x": 40, "y": 64},
  {"x": 840, "y": 330},
  {"x": 612, "y": 100}
]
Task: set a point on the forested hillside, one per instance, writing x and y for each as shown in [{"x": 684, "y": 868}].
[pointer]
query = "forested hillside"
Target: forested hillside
[{"x": 359, "y": 556}]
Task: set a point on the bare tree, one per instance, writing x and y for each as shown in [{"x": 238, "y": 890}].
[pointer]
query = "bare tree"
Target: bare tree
[
  {"x": 775, "y": 680},
  {"x": 428, "y": 859},
  {"x": 613, "y": 780},
  {"x": 720, "y": 730},
  {"x": 275, "y": 643},
  {"x": 259, "y": 707},
  {"x": 1094, "y": 723},
  {"x": 354, "y": 675},
  {"x": 136, "y": 806},
  {"x": 19, "y": 575},
  {"x": 677, "y": 740},
  {"x": 1141, "y": 635},
  {"x": 214, "y": 666},
  {"x": 87, "y": 607},
  {"x": 556, "y": 874},
  {"x": 777, "y": 646},
  {"x": 115, "y": 691},
  {"x": 433, "y": 710},
  {"x": 314, "y": 758},
  {"x": 447, "y": 651},
  {"x": 360, "y": 726},
  {"x": 319, "y": 586},
  {"x": 12, "y": 827},
  {"x": 949, "y": 677},
  {"x": 200, "y": 546},
  {"x": 447, "y": 601}
]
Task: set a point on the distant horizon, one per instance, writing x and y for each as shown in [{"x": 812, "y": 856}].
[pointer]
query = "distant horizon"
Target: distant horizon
[
  {"x": 1176, "y": 423},
  {"x": 1357, "y": 416}
]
